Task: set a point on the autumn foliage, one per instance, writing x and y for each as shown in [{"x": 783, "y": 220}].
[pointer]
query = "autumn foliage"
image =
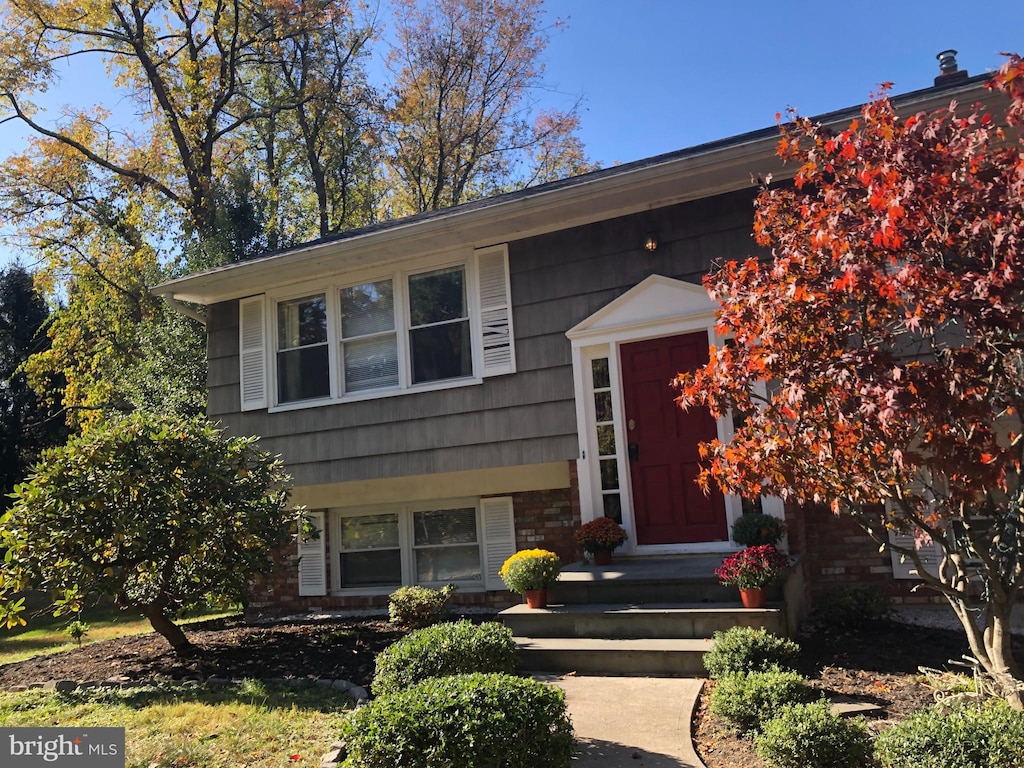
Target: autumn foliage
[{"x": 887, "y": 323}]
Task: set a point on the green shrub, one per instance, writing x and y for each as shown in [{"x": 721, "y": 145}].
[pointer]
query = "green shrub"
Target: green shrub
[
  {"x": 963, "y": 735},
  {"x": 810, "y": 736},
  {"x": 749, "y": 700},
  {"x": 756, "y": 528},
  {"x": 444, "y": 649},
  {"x": 418, "y": 607},
  {"x": 469, "y": 721},
  {"x": 744, "y": 649},
  {"x": 853, "y": 606}
]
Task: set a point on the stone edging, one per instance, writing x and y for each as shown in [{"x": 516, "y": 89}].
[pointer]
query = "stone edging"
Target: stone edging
[{"x": 66, "y": 686}]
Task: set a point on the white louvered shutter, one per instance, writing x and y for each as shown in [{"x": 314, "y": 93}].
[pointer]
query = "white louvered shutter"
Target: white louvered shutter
[
  {"x": 252, "y": 354},
  {"x": 312, "y": 558},
  {"x": 498, "y": 354},
  {"x": 499, "y": 538},
  {"x": 930, "y": 553},
  {"x": 903, "y": 567}
]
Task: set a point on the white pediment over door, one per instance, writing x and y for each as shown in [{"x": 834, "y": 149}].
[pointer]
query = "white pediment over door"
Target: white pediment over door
[{"x": 654, "y": 301}]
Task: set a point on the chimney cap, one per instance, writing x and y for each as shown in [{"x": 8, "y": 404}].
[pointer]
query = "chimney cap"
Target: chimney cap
[
  {"x": 947, "y": 61},
  {"x": 949, "y": 72}
]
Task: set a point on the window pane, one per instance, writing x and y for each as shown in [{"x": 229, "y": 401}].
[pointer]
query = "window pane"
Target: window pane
[
  {"x": 379, "y": 568},
  {"x": 302, "y": 374},
  {"x": 599, "y": 370},
  {"x": 366, "y": 309},
  {"x": 606, "y": 440},
  {"x": 441, "y": 352},
  {"x": 369, "y": 532},
  {"x": 609, "y": 474},
  {"x": 371, "y": 363},
  {"x": 437, "y": 296},
  {"x": 613, "y": 507},
  {"x": 445, "y": 526},
  {"x": 301, "y": 322},
  {"x": 603, "y": 406},
  {"x": 448, "y": 564}
]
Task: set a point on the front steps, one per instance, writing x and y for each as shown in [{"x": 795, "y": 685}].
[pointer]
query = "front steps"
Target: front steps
[{"x": 643, "y": 617}]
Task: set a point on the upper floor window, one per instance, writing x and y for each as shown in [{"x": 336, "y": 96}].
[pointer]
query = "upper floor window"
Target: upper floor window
[
  {"x": 439, "y": 338},
  {"x": 368, "y": 339},
  {"x": 302, "y": 352},
  {"x": 382, "y": 335}
]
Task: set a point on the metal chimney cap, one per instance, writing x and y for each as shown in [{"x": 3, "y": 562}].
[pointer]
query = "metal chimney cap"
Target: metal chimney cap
[{"x": 947, "y": 61}]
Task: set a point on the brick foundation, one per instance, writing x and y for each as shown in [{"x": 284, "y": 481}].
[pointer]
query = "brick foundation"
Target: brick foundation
[
  {"x": 836, "y": 552},
  {"x": 548, "y": 519},
  {"x": 543, "y": 519}
]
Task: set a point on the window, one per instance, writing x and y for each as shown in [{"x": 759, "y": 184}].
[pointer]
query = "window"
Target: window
[
  {"x": 414, "y": 544},
  {"x": 439, "y": 326},
  {"x": 370, "y": 551},
  {"x": 445, "y": 545},
  {"x": 303, "y": 366},
  {"x": 378, "y": 335},
  {"x": 369, "y": 343},
  {"x": 611, "y": 498}
]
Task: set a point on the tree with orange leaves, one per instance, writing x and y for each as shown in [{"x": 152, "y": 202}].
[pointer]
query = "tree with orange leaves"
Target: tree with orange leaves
[{"x": 889, "y": 325}]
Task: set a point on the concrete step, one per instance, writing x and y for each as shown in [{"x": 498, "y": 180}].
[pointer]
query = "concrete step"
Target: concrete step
[
  {"x": 647, "y": 620},
  {"x": 658, "y": 657},
  {"x": 578, "y": 591}
]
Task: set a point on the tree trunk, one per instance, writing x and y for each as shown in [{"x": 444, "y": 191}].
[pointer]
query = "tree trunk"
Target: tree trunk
[
  {"x": 170, "y": 631},
  {"x": 992, "y": 648}
]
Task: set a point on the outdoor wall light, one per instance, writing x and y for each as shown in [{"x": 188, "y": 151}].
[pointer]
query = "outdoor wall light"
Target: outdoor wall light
[{"x": 651, "y": 242}]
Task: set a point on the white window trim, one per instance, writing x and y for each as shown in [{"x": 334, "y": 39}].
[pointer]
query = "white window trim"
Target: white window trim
[
  {"x": 406, "y": 544},
  {"x": 399, "y": 279}
]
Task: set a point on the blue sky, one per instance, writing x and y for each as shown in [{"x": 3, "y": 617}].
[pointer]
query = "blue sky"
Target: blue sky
[{"x": 659, "y": 75}]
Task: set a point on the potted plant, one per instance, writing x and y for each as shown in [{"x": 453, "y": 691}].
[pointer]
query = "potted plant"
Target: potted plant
[
  {"x": 752, "y": 570},
  {"x": 529, "y": 573},
  {"x": 600, "y": 537},
  {"x": 756, "y": 528}
]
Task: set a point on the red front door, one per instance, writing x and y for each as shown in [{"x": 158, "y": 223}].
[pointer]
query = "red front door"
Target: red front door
[{"x": 668, "y": 507}]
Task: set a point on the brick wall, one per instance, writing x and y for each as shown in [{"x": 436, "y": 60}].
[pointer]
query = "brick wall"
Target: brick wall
[
  {"x": 548, "y": 519},
  {"x": 836, "y": 552},
  {"x": 543, "y": 519}
]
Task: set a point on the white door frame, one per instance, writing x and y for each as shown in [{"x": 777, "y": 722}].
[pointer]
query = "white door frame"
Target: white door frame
[{"x": 655, "y": 308}]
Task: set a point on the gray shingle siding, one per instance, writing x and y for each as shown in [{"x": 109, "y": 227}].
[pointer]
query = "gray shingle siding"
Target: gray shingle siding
[{"x": 557, "y": 280}]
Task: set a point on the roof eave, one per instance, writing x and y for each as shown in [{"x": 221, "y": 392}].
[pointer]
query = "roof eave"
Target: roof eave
[{"x": 712, "y": 169}]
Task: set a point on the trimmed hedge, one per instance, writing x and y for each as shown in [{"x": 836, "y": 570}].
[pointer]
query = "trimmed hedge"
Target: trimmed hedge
[
  {"x": 810, "y": 736},
  {"x": 744, "y": 649},
  {"x": 445, "y": 649},
  {"x": 469, "y": 721},
  {"x": 964, "y": 735},
  {"x": 418, "y": 607},
  {"x": 749, "y": 700}
]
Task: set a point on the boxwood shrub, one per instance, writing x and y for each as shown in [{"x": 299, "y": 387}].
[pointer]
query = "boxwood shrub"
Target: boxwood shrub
[
  {"x": 962, "y": 735},
  {"x": 744, "y": 649},
  {"x": 810, "y": 736},
  {"x": 469, "y": 721},
  {"x": 748, "y": 700},
  {"x": 418, "y": 607},
  {"x": 444, "y": 649}
]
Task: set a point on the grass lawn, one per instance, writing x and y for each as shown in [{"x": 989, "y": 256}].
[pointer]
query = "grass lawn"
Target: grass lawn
[
  {"x": 45, "y": 634},
  {"x": 180, "y": 726}
]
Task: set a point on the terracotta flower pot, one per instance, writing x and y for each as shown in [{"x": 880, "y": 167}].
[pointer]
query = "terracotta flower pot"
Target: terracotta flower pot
[
  {"x": 752, "y": 597},
  {"x": 603, "y": 557},
  {"x": 536, "y": 598}
]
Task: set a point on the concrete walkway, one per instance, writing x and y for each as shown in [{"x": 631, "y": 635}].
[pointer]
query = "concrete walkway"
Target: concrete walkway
[{"x": 634, "y": 722}]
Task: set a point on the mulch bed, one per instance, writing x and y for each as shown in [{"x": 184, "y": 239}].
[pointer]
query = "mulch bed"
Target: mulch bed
[
  {"x": 225, "y": 648},
  {"x": 876, "y": 664}
]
